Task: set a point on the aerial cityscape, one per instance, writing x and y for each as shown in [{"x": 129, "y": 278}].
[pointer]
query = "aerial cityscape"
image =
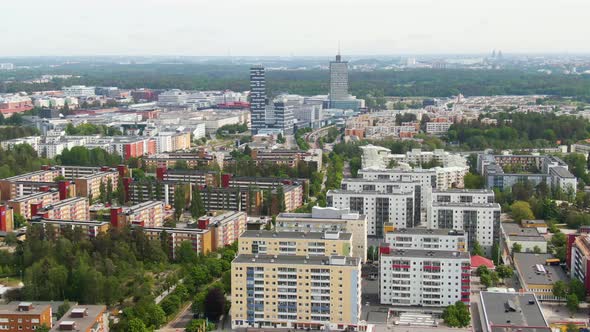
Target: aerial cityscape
[{"x": 221, "y": 166}]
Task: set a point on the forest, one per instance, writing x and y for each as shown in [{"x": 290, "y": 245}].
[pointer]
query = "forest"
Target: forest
[{"x": 414, "y": 82}]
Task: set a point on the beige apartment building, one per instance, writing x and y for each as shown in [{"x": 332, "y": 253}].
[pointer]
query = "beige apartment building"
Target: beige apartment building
[
  {"x": 285, "y": 291},
  {"x": 289, "y": 243}
]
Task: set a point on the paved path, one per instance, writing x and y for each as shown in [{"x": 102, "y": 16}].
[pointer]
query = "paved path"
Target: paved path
[{"x": 180, "y": 321}]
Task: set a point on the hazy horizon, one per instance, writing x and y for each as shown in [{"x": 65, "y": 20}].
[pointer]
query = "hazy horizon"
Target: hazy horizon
[{"x": 292, "y": 28}]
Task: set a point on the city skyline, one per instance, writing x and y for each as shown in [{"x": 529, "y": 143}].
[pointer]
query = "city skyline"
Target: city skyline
[{"x": 206, "y": 28}]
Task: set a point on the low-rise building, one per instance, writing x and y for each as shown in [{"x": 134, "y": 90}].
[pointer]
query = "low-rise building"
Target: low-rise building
[
  {"x": 27, "y": 206},
  {"x": 84, "y": 318},
  {"x": 200, "y": 239},
  {"x": 537, "y": 273},
  {"x": 506, "y": 312},
  {"x": 24, "y": 316},
  {"x": 290, "y": 243},
  {"x": 323, "y": 220},
  {"x": 417, "y": 277},
  {"x": 90, "y": 228},
  {"x": 528, "y": 238},
  {"x": 146, "y": 214},
  {"x": 296, "y": 292},
  {"x": 75, "y": 208},
  {"x": 89, "y": 185}
]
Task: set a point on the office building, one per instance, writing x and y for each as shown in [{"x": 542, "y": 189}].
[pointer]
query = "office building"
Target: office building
[
  {"x": 24, "y": 316},
  {"x": 290, "y": 243},
  {"x": 322, "y": 220},
  {"x": 174, "y": 97},
  {"x": 397, "y": 207},
  {"x": 338, "y": 79},
  {"x": 283, "y": 115},
  {"x": 426, "y": 239},
  {"x": 481, "y": 221},
  {"x": 257, "y": 98},
  {"x": 296, "y": 292},
  {"x": 430, "y": 278},
  {"x": 508, "y": 312}
]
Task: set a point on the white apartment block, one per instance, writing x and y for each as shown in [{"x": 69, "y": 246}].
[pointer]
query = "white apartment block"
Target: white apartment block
[
  {"x": 323, "y": 220},
  {"x": 481, "y": 221},
  {"x": 463, "y": 196},
  {"x": 172, "y": 98},
  {"x": 396, "y": 207},
  {"x": 422, "y": 193},
  {"x": 415, "y": 277},
  {"x": 427, "y": 239},
  {"x": 378, "y": 157},
  {"x": 438, "y": 128},
  {"x": 439, "y": 177},
  {"x": 79, "y": 91}
]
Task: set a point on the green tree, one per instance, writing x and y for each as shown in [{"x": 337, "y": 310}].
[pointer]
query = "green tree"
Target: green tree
[
  {"x": 473, "y": 181},
  {"x": 477, "y": 249},
  {"x": 136, "y": 325},
  {"x": 572, "y": 303},
  {"x": 516, "y": 247},
  {"x": 559, "y": 289},
  {"x": 121, "y": 196},
  {"x": 197, "y": 207},
  {"x": 215, "y": 300},
  {"x": 457, "y": 315},
  {"x": 179, "y": 201},
  {"x": 536, "y": 250},
  {"x": 577, "y": 288},
  {"x": 521, "y": 210},
  {"x": 504, "y": 271},
  {"x": 571, "y": 327}
]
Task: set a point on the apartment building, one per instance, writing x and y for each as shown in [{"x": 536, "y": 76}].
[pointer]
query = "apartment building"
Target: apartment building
[
  {"x": 6, "y": 218},
  {"x": 479, "y": 196},
  {"x": 226, "y": 227},
  {"x": 528, "y": 238},
  {"x": 296, "y": 292},
  {"x": 90, "y": 228},
  {"x": 481, "y": 221},
  {"x": 75, "y": 208},
  {"x": 25, "y": 184},
  {"x": 198, "y": 177},
  {"x": 84, "y": 318},
  {"x": 27, "y": 206},
  {"x": 24, "y": 316},
  {"x": 89, "y": 185},
  {"x": 439, "y": 177},
  {"x": 172, "y": 141},
  {"x": 422, "y": 193},
  {"x": 427, "y": 239},
  {"x": 397, "y": 207},
  {"x": 289, "y": 243},
  {"x": 578, "y": 257},
  {"x": 141, "y": 191},
  {"x": 438, "y": 128},
  {"x": 291, "y": 158},
  {"x": 200, "y": 239},
  {"x": 146, "y": 214},
  {"x": 322, "y": 220},
  {"x": 430, "y": 278},
  {"x": 192, "y": 160}
]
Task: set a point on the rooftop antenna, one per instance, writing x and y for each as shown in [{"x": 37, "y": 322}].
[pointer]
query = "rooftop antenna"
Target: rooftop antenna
[{"x": 338, "y": 56}]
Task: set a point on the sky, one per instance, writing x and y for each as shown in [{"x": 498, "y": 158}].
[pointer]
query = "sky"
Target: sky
[{"x": 292, "y": 27}]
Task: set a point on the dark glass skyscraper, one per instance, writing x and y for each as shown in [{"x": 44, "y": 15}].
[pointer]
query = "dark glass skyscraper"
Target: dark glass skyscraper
[{"x": 257, "y": 98}]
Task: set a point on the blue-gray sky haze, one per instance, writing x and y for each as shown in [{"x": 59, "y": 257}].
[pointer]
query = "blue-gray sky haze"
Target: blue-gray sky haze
[{"x": 291, "y": 27}]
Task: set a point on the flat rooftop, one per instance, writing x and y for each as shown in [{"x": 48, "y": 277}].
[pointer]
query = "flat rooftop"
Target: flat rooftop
[
  {"x": 562, "y": 172},
  {"x": 427, "y": 231},
  {"x": 467, "y": 191},
  {"x": 506, "y": 312},
  {"x": 458, "y": 204},
  {"x": 515, "y": 232},
  {"x": 421, "y": 253},
  {"x": 84, "y": 323},
  {"x": 297, "y": 260},
  {"x": 361, "y": 180},
  {"x": 294, "y": 235},
  {"x": 372, "y": 193},
  {"x": 12, "y": 308},
  {"x": 527, "y": 263}
]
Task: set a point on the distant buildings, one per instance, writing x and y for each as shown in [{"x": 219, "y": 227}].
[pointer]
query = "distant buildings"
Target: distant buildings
[
  {"x": 505, "y": 170},
  {"x": 13, "y": 103},
  {"x": 6, "y": 66},
  {"x": 257, "y": 98},
  {"x": 174, "y": 97},
  {"x": 79, "y": 91}
]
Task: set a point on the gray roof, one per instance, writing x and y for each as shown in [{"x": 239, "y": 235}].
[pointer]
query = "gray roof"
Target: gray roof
[
  {"x": 526, "y": 266},
  {"x": 428, "y": 231},
  {"x": 515, "y": 232},
  {"x": 367, "y": 192},
  {"x": 296, "y": 260},
  {"x": 562, "y": 172},
  {"x": 361, "y": 180},
  {"x": 528, "y": 316},
  {"x": 293, "y": 235},
  {"x": 422, "y": 253},
  {"x": 458, "y": 204},
  {"x": 82, "y": 323},
  {"x": 467, "y": 191},
  {"x": 12, "y": 308}
]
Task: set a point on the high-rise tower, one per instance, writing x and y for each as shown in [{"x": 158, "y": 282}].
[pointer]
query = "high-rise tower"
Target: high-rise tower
[
  {"x": 257, "y": 98},
  {"x": 338, "y": 79}
]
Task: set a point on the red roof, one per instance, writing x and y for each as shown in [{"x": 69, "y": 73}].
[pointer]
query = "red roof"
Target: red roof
[{"x": 477, "y": 261}]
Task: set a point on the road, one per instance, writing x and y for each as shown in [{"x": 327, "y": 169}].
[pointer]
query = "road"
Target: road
[
  {"x": 313, "y": 137},
  {"x": 165, "y": 293},
  {"x": 180, "y": 321}
]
